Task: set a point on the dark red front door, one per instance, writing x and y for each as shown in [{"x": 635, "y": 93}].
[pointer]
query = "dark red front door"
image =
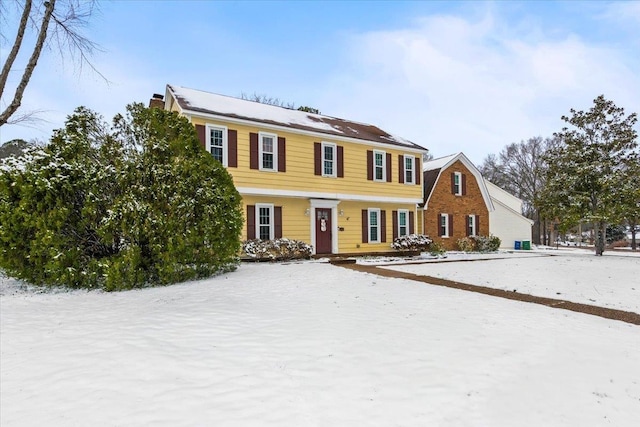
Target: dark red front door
[{"x": 323, "y": 231}]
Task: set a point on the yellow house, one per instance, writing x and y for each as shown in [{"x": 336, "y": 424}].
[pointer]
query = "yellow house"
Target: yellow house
[{"x": 341, "y": 186}]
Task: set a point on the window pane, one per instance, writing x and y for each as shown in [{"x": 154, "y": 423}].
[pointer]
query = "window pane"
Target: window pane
[
  {"x": 328, "y": 160},
  {"x": 402, "y": 217},
  {"x": 267, "y": 144},
  {"x": 267, "y": 161},
  {"x": 264, "y": 221},
  {"x": 374, "y": 234},
  {"x": 216, "y": 152}
]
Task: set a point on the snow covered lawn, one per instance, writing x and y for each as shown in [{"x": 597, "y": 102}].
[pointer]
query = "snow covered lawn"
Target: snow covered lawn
[
  {"x": 610, "y": 281},
  {"x": 310, "y": 344}
]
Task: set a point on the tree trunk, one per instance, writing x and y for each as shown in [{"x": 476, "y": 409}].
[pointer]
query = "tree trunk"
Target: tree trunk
[
  {"x": 601, "y": 237},
  {"x": 634, "y": 244}
]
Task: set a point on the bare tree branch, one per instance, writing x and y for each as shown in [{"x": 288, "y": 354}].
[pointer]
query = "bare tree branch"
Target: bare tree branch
[
  {"x": 31, "y": 65},
  {"x": 58, "y": 25},
  {"x": 6, "y": 68}
]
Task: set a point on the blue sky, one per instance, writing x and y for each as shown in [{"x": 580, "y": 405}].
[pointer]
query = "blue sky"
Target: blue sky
[{"x": 450, "y": 76}]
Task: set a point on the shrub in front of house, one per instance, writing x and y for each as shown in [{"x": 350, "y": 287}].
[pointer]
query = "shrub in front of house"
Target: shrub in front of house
[
  {"x": 133, "y": 204},
  {"x": 436, "y": 249},
  {"x": 479, "y": 243},
  {"x": 282, "y": 249},
  {"x": 412, "y": 242}
]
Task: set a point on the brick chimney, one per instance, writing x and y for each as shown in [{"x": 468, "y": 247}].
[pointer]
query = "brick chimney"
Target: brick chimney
[{"x": 157, "y": 101}]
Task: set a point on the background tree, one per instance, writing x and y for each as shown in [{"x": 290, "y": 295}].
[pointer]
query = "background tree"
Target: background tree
[
  {"x": 15, "y": 147},
  {"x": 55, "y": 23},
  {"x": 520, "y": 169},
  {"x": 132, "y": 205},
  {"x": 589, "y": 172}
]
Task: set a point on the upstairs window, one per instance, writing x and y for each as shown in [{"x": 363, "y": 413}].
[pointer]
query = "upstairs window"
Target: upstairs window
[
  {"x": 409, "y": 169},
  {"x": 268, "y": 151},
  {"x": 457, "y": 183},
  {"x": 379, "y": 166},
  {"x": 328, "y": 159},
  {"x": 216, "y": 143}
]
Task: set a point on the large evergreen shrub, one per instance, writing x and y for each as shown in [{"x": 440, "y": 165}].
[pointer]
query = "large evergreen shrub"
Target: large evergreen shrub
[{"x": 133, "y": 205}]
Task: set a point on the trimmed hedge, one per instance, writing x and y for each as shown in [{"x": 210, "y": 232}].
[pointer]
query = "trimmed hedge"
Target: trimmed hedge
[
  {"x": 479, "y": 243},
  {"x": 412, "y": 242}
]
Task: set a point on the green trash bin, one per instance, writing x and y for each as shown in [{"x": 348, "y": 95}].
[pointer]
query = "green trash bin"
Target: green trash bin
[
  {"x": 517, "y": 245},
  {"x": 526, "y": 245}
]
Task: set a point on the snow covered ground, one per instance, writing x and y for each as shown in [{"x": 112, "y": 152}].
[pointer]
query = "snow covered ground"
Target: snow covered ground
[
  {"x": 311, "y": 344},
  {"x": 611, "y": 281}
]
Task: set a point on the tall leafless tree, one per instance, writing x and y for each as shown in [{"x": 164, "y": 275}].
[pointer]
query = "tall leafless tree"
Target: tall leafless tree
[
  {"x": 57, "y": 25},
  {"x": 520, "y": 169}
]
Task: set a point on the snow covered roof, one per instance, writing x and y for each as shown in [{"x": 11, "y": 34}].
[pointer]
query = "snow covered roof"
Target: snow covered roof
[
  {"x": 432, "y": 170},
  {"x": 439, "y": 163},
  {"x": 197, "y": 101}
]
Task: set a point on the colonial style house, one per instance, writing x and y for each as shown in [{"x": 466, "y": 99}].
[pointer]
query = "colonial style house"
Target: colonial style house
[
  {"x": 339, "y": 185},
  {"x": 456, "y": 200},
  {"x": 507, "y": 221}
]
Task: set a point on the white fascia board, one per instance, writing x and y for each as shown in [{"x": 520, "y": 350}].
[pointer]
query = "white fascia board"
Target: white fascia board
[
  {"x": 322, "y": 135},
  {"x": 252, "y": 191}
]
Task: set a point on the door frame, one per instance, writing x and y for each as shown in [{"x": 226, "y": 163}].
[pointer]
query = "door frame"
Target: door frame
[{"x": 325, "y": 204}]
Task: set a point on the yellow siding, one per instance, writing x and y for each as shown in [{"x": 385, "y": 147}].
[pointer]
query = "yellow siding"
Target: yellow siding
[
  {"x": 295, "y": 224},
  {"x": 299, "y": 175}
]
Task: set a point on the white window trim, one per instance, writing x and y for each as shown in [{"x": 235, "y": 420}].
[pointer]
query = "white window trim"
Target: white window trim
[
  {"x": 459, "y": 190},
  {"x": 377, "y": 240},
  {"x": 271, "y": 219},
  {"x": 472, "y": 219},
  {"x": 412, "y": 181},
  {"x": 446, "y": 224},
  {"x": 406, "y": 212},
  {"x": 334, "y": 147},
  {"x": 225, "y": 141},
  {"x": 275, "y": 151},
  {"x": 384, "y": 165}
]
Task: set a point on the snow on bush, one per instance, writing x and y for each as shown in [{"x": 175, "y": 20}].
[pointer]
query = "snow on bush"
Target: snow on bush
[
  {"x": 277, "y": 249},
  {"x": 412, "y": 242},
  {"x": 479, "y": 243}
]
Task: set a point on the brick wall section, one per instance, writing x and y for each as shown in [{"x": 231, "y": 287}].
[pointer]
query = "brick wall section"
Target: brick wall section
[{"x": 443, "y": 201}]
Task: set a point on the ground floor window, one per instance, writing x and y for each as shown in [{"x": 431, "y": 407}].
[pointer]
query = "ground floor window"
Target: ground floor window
[
  {"x": 444, "y": 225},
  {"x": 374, "y": 225},
  {"x": 471, "y": 225},
  {"x": 403, "y": 222},
  {"x": 264, "y": 224}
]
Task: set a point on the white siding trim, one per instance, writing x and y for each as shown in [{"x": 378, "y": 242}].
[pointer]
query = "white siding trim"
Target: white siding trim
[{"x": 252, "y": 191}]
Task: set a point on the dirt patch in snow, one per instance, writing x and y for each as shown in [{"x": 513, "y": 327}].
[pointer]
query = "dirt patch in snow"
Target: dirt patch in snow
[{"x": 608, "y": 313}]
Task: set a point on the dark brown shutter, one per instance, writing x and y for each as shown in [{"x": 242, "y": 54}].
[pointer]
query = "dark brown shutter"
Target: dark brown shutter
[
  {"x": 411, "y": 225},
  {"x": 464, "y": 184},
  {"x": 201, "y": 131},
  {"x": 282, "y": 154},
  {"x": 317, "y": 158},
  {"x": 478, "y": 225},
  {"x": 453, "y": 183},
  {"x": 468, "y": 227},
  {"x": 394, "y": 219},
  {"x": 277, "y": 222},
  {"x": 251, "y": 222},
  {"x": 253, "y": 151},
  {"x": 370, "y": 165},
  {"x": 400, "y": 168},
  {"x": 418, "y": 171},
  {"x": 450, "y": 225},
  {"x": 383, "y": 225},
  {"x": 232, "y": 144},
  {"x": 365, "y": 226},
  {"x": 388, "y": 159},
  {"x": 340, "y": 153}
]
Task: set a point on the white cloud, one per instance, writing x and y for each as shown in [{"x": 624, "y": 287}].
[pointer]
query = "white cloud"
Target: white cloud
[{"x": 474, "y": 85}]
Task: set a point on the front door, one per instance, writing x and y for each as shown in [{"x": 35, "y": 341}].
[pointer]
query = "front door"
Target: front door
[{"x": 323, "y": 231}]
